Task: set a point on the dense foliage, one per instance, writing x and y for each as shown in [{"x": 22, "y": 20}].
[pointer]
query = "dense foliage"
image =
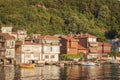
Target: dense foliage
[{"x": 97, "y": 17}]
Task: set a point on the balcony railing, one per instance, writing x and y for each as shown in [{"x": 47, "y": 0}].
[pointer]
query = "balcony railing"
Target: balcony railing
[{"x": 93, "y": 44}]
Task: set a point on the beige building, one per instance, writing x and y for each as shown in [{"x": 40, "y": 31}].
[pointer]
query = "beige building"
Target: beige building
[
  {"x": 8, "y": 44},
  {"x": 28, "y": 52},
  {"x": 50, "y": 47},
  {"x": 6, "y": 30},
  {"x": 21, "y": 34}
]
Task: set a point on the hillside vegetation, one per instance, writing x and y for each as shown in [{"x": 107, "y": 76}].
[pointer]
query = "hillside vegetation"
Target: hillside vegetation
[{"x": 97, "y": 17}]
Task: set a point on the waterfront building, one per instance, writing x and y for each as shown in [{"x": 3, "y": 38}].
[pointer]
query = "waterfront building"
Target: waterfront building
[
  {"x": 90, "y": 43},
  {"x": 69, "y": 45},
  {"x": 28, "y": 52},
  {"x": 50, "y": 47},
  {"x": 7, "y": 48},
  {"x": 104, "y": 48}
]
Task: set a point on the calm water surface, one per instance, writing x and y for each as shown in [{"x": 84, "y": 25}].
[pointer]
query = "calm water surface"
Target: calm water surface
[{"x": 75, "y": 72}]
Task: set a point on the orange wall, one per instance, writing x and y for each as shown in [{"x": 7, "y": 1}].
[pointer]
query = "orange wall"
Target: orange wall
[
  {"x": 72, "y": 51},
  {"x": 82, "y": 51}
]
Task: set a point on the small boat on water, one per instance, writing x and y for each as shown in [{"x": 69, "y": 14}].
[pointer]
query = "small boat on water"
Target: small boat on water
[
  {"x": 88, "y": 63},
  {"x": 27, "y": 66}
]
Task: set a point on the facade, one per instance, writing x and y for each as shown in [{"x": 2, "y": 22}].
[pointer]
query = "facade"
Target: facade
[
  {"x": 6, "y": 30},
  {"x": 69, "y": 45},
  {"x": 90, "y": 43},
  {"x": 8, "y": 43},
  {"x": 28, "y": 52},
  {"x": 116, "y": 46},
  {"x": 2, "y": 49},
  {"x": 21, "y": 35},
  {"x": 104, "y": 48},
  {"x": 50, "y": 47}
]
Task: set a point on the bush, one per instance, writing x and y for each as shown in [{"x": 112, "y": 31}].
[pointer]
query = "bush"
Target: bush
[{"x": 70, "y": 56}]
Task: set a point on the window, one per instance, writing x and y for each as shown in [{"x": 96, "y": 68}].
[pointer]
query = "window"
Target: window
[
  {"x": 50, "y": 48},
  {"x": 12, "y": 44},
  {"x": 8, "y": 53},
  {"x": 52, "y": 56},
  {"x": 46, "y": 56},
  {"x": 27, "y": 56},
  {"x": 89, "y": 39},
  {"x": 94, "y": 39}
]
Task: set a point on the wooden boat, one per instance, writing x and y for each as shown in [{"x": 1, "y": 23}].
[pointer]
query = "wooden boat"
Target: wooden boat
[
  {"x": 27, "y": 65},
  {"x": 88, "y": 63}
]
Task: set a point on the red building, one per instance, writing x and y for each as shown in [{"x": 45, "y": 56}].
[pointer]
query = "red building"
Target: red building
[
  {"x": 82, "y": 49},
  {"x": 104, "y": 48},
  {"x": 90, "y": 43},
  {"x": 69, "y": 45}
]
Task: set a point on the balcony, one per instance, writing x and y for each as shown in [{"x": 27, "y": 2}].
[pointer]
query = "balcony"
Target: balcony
[
  {"x": 93, "y": 50},
  {"x": 93, "y": 44}
]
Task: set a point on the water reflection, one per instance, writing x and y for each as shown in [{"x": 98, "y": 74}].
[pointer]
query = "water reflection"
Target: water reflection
[{"x": 76, "y": 72}]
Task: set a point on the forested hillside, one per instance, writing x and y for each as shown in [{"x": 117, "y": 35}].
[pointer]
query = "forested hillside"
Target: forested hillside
[{"x": 97, "y": 17}]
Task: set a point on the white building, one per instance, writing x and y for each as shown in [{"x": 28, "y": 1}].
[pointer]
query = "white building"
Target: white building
[
  {"x": 9, "y": 47},
  {"x": 21, "y": 34},
  {"x": 29, "y": 52},
  {"x": 6, "y": 30},
  {"x": 50, "y": 47}
]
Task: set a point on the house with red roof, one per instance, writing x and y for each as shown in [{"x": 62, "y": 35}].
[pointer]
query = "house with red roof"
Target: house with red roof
[
  {"x": 89, "y": 42},
  {"x": 50, "y": 47},
  {"x": 28, "y": 52},
  {"x": 104, "y": 48},
  {"x": 7, "y": 51},
  {"x": 69, "y": 45}
]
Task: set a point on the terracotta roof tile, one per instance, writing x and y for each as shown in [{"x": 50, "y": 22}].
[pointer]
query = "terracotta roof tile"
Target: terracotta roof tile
[
  {"x": 8, "y": 37},
  {"x": 69, "y": 38},
  {"x": 14, "y": 32},
  {"x": 81, "y": 47}
]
